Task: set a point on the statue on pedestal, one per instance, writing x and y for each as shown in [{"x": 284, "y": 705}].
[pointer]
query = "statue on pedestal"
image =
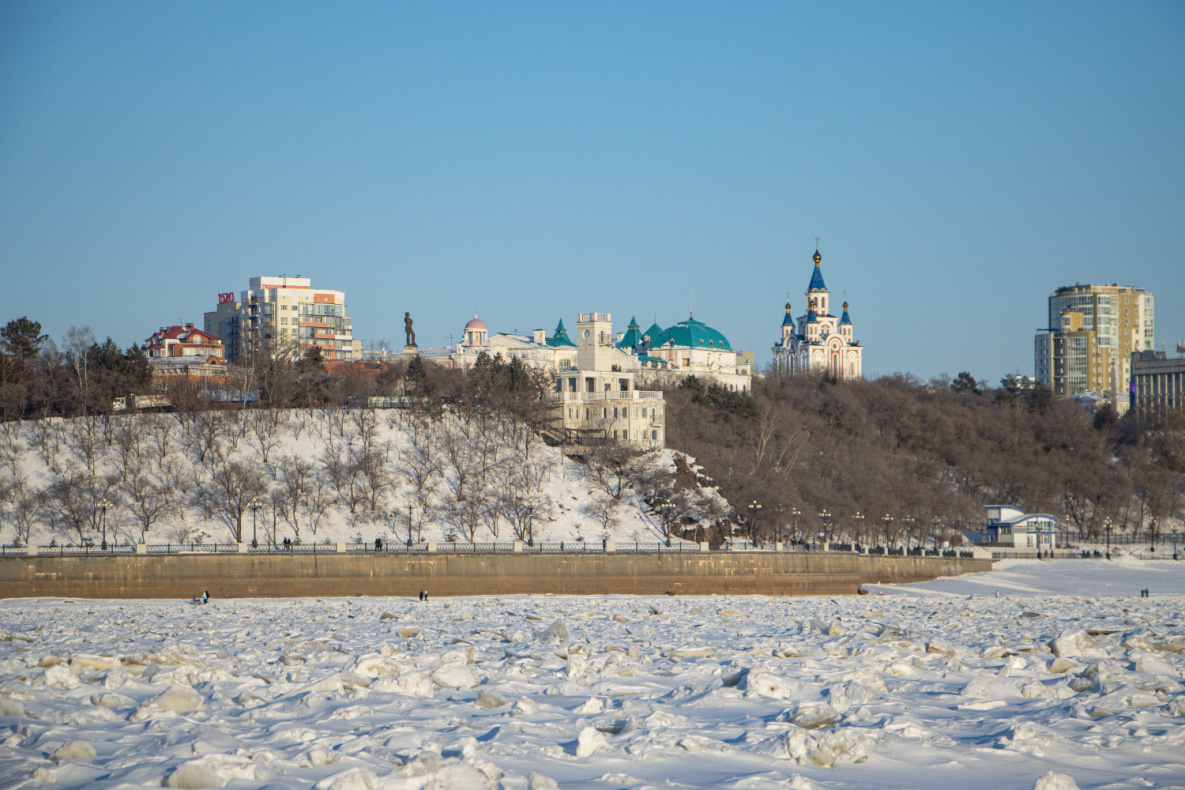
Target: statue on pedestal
[{"x": 411, "y": 333}]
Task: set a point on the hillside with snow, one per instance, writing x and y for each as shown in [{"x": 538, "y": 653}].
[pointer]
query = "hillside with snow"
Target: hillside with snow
[{"x": 328, "y": 476}]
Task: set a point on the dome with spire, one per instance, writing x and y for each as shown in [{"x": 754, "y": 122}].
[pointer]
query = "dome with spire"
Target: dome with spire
[
  {"x": 845, "y": 319},
  {"x": 633, "y": 336},
  {"x": 560, "y": 338},
  {"x": 789, "y": 319},
  {"x": 817, "y": 283}
]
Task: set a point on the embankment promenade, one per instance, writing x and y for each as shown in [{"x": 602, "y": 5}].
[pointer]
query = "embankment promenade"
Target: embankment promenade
[{"x": 446, "y": 574}]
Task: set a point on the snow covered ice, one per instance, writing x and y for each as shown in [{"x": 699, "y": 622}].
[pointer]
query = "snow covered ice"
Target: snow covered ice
[{"x": 1068, "y": 679}]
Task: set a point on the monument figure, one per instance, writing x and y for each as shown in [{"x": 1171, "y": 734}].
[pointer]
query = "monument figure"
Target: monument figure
[{"x": 411, "y": 333}]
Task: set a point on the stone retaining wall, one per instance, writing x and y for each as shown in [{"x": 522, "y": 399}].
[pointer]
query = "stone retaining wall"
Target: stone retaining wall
[{"x": 353, "y": 575}]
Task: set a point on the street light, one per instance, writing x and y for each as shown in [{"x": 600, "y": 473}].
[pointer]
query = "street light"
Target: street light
[
  {"x": 888, "y": 520},
  {"x": 1107, "y": 526},
  {"x": 1174, "y": 543},
  {"x": 1152, "y": 536},
  {"x": 825, "y": 517},
  {"x": 754, "y": 508},
  {"x": 795, "y": 512},
  {"x": 665, "y": 508},
  {"x": 907, "y": 527},
  {"x": 254, "y": 505},
  {"x": 859, "y": 519},
  {"x": 410, "y": 515},
  {"x": 102, "y": 505},
  {"x": 530, "y": 511}
]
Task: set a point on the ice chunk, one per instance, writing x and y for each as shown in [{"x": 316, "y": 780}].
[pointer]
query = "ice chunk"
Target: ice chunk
[
  {"x": 591, "y": 705},
  {"x": 576, "y": 665},
  {"x": 765, "y": 684},
  {"x": 73, "y": 750},
  {"x": 490, "y": 699},
  {"x": 352, "y": 779},
  {"x": 689, "y": 652},
  {"x": 557, "y": 631},
  {"x": 412, "y": 682},
  {"x": 942, "y": 648},
  {"x": 1154, "y": 665},
  {"x": 524, "y": 707},
  {"x": 11, "y": 707},
  {"x": 1055, "y": 781},
  {"x": 463, "y": 676},
  {"x": 589, "y": 740},
  {"x": 814, "y": 716},
  {"x": 1061, "y": 665},
  {"x": 825, "y": 749},
  {"x": 179, "y": 699},
  {"x": 60, "y": 676},
  {"x": 537, "y": 781},
  {"x": 193, "y": 777},
  {"x": 409, "y": 633},
  {"x": 1076, "y": 644}
]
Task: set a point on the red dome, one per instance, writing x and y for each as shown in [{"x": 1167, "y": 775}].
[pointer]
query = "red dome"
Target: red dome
[{"x": 476, "y": 323}]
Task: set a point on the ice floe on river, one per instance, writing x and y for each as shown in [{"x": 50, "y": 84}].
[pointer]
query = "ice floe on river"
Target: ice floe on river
[{"x": 1049, "y": 688}]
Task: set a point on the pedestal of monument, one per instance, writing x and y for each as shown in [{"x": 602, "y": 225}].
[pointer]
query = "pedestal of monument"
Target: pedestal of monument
[{"x": 410, "y": 351}]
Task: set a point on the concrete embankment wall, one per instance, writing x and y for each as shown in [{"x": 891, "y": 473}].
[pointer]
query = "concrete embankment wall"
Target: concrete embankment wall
[{"x": 304, "y": 575}]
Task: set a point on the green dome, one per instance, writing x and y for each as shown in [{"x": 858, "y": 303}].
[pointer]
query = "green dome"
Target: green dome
[
  {"x": 560, "y": 338},
  {"x": 694, "y": 334}
]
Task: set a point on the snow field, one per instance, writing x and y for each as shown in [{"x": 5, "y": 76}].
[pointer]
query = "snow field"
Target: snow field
[{"x": 1045, "y": 691}]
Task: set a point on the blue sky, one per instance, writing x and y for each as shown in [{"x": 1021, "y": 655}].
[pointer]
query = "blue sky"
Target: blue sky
[{"x": 527, "y": 161}]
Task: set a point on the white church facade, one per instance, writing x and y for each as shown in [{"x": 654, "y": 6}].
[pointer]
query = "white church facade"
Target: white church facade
[{"x": 817, "y": 342}]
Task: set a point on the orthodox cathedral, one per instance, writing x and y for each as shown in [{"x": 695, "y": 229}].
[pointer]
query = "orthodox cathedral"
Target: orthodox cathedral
[{"x": 817, "y": 342}]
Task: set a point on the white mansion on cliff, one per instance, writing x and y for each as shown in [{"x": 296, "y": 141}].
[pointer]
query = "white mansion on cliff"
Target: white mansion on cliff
[{"x": 818, "y": 342}]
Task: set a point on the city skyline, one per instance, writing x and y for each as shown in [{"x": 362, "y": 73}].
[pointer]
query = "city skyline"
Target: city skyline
[{"x": 527, "y": 162}]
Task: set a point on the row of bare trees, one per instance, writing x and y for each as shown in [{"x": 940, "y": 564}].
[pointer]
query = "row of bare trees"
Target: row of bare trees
[{"x": 898, "y": 461}]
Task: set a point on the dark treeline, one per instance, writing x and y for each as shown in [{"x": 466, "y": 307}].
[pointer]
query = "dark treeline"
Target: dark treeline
[
  {"x": 82, "y": 376},
  {"x": 894, "y": 459}
]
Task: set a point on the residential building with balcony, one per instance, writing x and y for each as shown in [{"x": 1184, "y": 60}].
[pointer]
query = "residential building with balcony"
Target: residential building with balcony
[{"x": 284, "y": 316}]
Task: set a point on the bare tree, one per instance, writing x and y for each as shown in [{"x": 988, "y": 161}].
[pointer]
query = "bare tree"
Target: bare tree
[
  {"x": 22, "y": 512},
  {"x": 265, "y": 427},
  {"x": 77, "y": 344},
  {"x": 232, "y": 489}
]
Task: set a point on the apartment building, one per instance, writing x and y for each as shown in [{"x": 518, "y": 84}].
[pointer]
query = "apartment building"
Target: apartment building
[
  {"x": 1091, "y": 334},
  {"x": 284, "y": 316}
]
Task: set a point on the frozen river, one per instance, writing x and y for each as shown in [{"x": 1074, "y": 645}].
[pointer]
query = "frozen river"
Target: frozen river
[{"x": 1068, "y": 678}]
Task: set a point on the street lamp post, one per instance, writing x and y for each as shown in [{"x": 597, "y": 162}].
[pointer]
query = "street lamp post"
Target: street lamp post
[
  {"x": 665, "y": 508},
  {"x": 410, "y": 524},
  {"x": 103, "y": 504},
  {"x": 907, "y": 527},
  {"x": 1174, "y": 543},
  {"x": 1152, "y": 536},
  {"x": 1107, "y": 526},
  {"x": 530, "y": 511},
  {"x": 888, "y": 521},
  {"x": 859, "y": 528},
  {"x": 795, "y": 512},
  {"x": 754, "y": 508},
  {"x": 254, "y": 505},
  {"x": 825, "y": 517}
]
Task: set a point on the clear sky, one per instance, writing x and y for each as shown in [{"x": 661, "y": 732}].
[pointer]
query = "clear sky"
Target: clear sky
[{"x": 528, "y": 161}]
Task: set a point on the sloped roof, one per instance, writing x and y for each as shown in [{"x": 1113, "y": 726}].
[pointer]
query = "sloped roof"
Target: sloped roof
[
  {"x": 560, "y": 338},
  {"x": 632, "y": 337}
]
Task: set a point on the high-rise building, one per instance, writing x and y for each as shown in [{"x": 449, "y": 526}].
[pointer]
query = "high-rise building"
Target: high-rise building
[
  {"x": 286, "y": 316},
  {"x": 1091, "y": 335}
]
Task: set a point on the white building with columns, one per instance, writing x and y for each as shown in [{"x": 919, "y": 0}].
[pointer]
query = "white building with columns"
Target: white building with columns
[{"x": 818, "y": 342}]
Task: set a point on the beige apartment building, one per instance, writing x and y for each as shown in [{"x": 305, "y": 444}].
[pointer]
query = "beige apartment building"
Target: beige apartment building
[
  {"x": 284, "y": 316},
  {"x": 1089, "y": 340}
]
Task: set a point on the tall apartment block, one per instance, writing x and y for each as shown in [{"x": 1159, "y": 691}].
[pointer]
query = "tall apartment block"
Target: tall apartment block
[
  {"x": 1091, "y": 335},
  {"x": 284, "y": 315}
]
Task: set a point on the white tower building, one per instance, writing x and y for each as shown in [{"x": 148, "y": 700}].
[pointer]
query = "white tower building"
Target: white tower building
[{"x": 818, "y": 342}]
